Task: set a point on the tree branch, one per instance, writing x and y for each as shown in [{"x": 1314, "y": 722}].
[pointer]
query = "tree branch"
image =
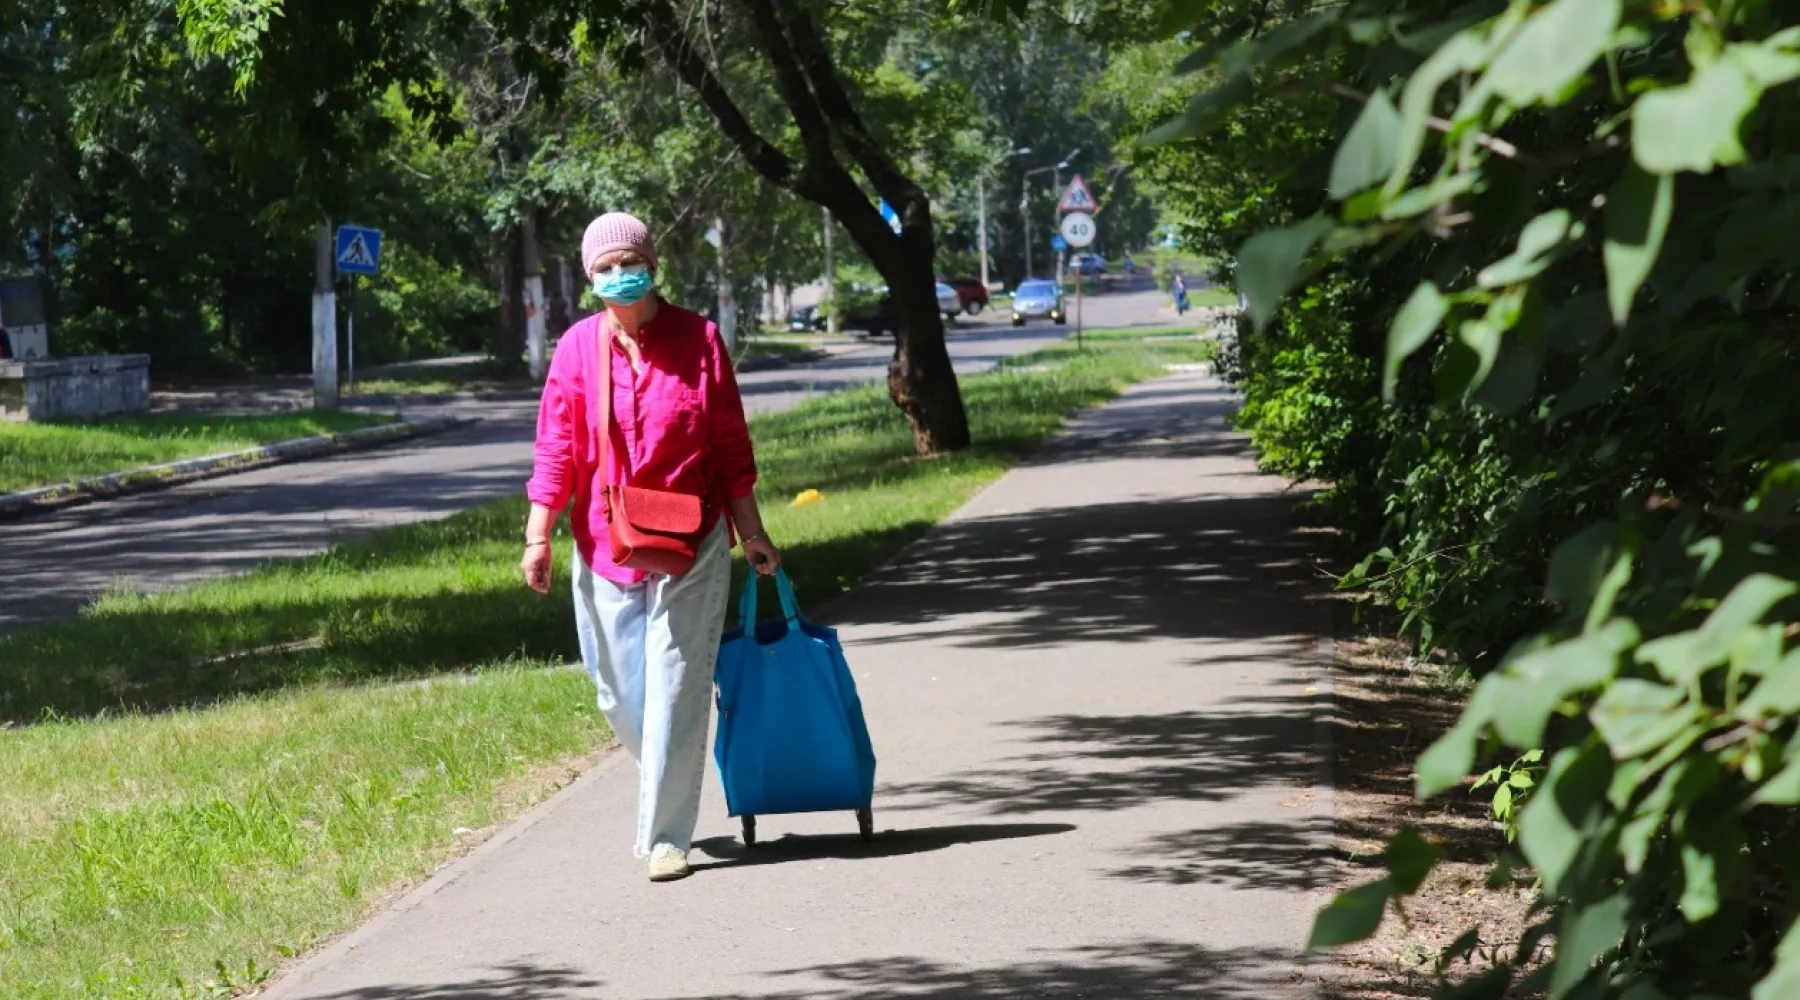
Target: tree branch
[
  {"x": 890, "y": 181},
  {"x": 815, "y": 132},
  {"x": 678, "y": 48}
]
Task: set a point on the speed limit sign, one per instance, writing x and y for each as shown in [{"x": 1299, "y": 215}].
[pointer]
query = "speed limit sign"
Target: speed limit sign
[{"x": 1079, "y": 229}]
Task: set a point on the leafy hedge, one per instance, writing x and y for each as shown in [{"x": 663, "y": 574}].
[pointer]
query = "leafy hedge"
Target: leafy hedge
[{"x": 1526, "y": 298}]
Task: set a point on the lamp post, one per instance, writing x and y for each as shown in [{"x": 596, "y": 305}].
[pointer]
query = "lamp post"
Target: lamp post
[
  {"x": 981, "y": 209},
  {"x": 1055, "y": 192},
  {"x": 1056, "y": 170}
]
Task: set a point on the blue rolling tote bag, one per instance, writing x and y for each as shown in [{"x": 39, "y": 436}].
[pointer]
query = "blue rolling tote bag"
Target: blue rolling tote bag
[{"x": 791, "y": 735}]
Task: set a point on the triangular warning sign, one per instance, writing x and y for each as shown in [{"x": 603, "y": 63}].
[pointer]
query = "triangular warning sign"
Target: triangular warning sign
[{"x": 1077, "y": 198}]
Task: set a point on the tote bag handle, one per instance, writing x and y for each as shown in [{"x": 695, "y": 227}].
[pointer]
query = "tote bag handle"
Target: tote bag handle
[{"x": 784, "y": 588}]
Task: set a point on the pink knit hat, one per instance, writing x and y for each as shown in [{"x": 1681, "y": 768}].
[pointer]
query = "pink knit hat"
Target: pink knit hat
[{"x": 612, "y": 232}]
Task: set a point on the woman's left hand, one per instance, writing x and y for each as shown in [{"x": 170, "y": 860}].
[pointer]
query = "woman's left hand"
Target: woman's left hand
[{"x": 764, "y": 557}]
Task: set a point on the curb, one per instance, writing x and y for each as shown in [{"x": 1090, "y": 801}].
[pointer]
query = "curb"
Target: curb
[{"x": 155, "y": 477}]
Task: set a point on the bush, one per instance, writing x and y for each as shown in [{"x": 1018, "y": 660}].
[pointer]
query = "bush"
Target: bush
[{"x": 1556, "y": 239}]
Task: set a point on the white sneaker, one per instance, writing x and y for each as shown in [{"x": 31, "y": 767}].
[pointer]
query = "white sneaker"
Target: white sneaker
[{"x": 668, "y": 863}]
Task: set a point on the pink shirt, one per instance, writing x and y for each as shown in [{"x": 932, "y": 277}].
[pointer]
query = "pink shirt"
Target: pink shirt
[{"x": 678, "y": 425}]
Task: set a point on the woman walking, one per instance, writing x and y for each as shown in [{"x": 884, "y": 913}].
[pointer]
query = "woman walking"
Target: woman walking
[{"x": 642, "y": 427}]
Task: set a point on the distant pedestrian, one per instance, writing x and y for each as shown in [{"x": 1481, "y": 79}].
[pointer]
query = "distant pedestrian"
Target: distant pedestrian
[
  {"x": 1130, "y": 265},
  {"x": 1179, "y": 287},
  {"x": 660, "y": 480}
]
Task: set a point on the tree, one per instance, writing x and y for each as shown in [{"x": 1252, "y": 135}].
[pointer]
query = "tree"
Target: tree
[
  {"x": 831, "y": 130},
  {"x": 1556, "y": 239}
]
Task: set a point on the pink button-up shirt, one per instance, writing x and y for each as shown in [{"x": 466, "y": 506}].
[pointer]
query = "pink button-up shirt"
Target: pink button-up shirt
[{"x": 678, "y": 425}]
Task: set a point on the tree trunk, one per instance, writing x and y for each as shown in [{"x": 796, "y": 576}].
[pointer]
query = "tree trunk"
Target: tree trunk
[
  {"x": 921, "y": 380},
  {"x": 509, "y": 346}
]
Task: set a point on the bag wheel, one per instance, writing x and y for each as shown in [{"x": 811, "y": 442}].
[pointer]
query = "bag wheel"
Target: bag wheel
[
  {"x": 749, "y": 831},
  {"x": 865, "y": 823}
]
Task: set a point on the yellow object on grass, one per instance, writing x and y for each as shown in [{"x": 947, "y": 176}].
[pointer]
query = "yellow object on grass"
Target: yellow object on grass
[{"x": 808, "y": 496}]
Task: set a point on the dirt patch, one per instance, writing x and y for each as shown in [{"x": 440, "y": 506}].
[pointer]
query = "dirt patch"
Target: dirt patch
[{"x": 1389, "y": 708}]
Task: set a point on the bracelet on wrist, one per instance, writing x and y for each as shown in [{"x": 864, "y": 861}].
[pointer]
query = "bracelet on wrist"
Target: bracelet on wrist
[
  {"x": 529, "y": 542},
  {"x": 758, "y": 537}
]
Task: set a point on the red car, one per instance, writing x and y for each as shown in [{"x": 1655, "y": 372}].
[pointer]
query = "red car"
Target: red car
[{"x": 971, "y": 292}]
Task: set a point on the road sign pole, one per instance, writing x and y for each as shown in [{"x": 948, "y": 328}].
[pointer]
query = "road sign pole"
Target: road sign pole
[
  {"x": 1078, "y": 286},
  {"x": 350, "y": 337}
]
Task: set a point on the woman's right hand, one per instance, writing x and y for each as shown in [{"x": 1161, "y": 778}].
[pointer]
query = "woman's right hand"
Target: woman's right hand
[{"x": 535, "y": 564}]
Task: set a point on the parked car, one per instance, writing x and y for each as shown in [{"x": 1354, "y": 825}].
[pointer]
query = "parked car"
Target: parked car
[
  {"x": 1038, "y": 299},
  {"x": 1090, "y": 264},
  {"x": 949, "y": 302},
  {"x": 869, "y": 312},
  {"x": 805, "y": 319},
  {"x": 972, "y": 293}
]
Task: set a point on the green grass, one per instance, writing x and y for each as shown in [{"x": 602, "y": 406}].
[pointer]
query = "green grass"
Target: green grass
[
  {"x": 1207, "y": 298},
  {"x": 437, "y": 380},
  {"x": 776, "y": 349},
  {"x": 234, "y": 771},
  {"x": 41, "y": 454}
]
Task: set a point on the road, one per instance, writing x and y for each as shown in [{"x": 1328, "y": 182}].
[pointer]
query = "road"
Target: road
[{"x": 53, "y": 565}]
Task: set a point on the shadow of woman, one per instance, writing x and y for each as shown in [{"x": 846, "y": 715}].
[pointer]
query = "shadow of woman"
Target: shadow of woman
[{"x": 729, "y": 852}]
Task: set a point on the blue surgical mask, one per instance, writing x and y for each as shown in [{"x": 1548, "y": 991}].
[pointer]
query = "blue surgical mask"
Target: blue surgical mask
[{"x": 623, "y": 285}]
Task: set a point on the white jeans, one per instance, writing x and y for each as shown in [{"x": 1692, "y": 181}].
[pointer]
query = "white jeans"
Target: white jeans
[{"x": 650, "y": 649}]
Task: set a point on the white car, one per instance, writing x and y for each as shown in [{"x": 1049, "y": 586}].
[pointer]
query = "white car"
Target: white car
[{"x": 949, "y": 303}]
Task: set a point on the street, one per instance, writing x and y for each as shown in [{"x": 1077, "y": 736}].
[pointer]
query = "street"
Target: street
[{"x": 56, "y": 563}]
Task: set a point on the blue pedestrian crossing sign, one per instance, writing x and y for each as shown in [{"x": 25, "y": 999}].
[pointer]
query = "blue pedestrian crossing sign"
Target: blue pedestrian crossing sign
[
  {"x": 892, "y": 217},
  {"x": 1058, "y": 244},
  {"x": 358, "y": 249}
]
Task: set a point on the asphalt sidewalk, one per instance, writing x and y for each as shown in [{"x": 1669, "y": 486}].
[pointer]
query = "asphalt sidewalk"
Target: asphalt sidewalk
[{"x": 1095, "y": 695}]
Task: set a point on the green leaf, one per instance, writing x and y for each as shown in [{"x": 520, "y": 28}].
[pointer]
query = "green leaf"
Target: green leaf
[
  {"x": 1578, "y": 565},
  {"x": 1540, "y": 237},
  {"x": 1447, "y": 761},
  {"x": 1777, "y": 694},
  {"x": 1418, "y": 201},
  {"x": 1783, "y": 981},
  {"x": 1768, "y": 65},
  {"x": 1554, "y": 48},
  {"x": 1784, "y": 788},
  {"x": 1554, "y": 825},
  {"x": 1694, "y": 126},
  {"x": 1699, "y": 883},
  {"x": 1587, "y": 934},
  {"x": 1413, "y": 325},
  {"x": 1465, "y": 51},
  {"x": 1682, "y": 656},
  {"x": 1353, "y": 916},
  {"x": 1409, "y": 858},
  {"x": 1366, "y": 157},
  {"x": 1637, "y": 220},
  {"x": 1635, "y": 717},
  {"x": 1538, "y": 681},
  {"x": 1269, "y": 264}
]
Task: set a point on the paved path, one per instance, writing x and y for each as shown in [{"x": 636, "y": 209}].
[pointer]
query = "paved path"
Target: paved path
[
  {"x": 52, "y": 565},
  {"x": 1093, "y": 697}
]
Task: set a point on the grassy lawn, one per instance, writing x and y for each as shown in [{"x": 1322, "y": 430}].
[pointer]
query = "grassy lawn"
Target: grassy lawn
[
  {"x": 783, "y": 348},
  {"x": 1208, "y": 298},
  {"x": 435, "y": 380},
  {"x": 221, "y": 776},
  {"x": 42, "y": 454}
]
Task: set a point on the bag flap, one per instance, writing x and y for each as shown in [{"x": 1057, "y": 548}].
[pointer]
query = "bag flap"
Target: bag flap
[{"x": 661, "y": 512}]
